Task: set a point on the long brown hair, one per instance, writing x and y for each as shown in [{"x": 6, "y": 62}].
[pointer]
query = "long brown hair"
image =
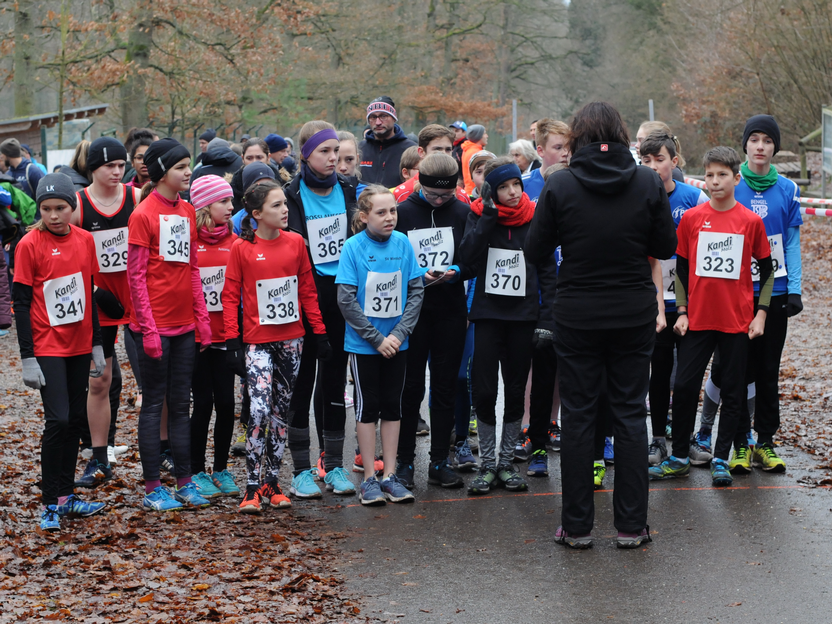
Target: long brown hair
[
  {"x": 596, "y": 122},
  {"x": 365, "y": 205},
  {"x": 253, "y": 200}
]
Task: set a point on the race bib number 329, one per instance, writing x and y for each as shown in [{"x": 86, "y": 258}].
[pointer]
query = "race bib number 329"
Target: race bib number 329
[
  {"x": 65, "y": 299},
  {"x": 719, "y": 255},
  {"x": 175, "y": 238},
  {"x": 111, "y": 247}
]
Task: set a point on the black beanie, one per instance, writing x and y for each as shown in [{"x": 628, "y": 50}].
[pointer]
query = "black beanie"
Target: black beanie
[
  {"x": 209, "y": 135},
  {"x": 765, "y": 124},
  {"x": 162, "y": 155},
  {"x": 56, "y": 186},
  {"x": 104, "y": 150}
]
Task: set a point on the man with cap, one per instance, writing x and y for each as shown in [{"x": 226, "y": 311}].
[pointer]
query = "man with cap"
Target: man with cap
[
  {"x": 21, "y": 169},
  {"x": 383, "y": 145},
  {"x": 459, "y": 128},
  {"x": 204, "y": 139},
  {"x": 279, "y": 153},
  {"x": 251, "y": 174}
]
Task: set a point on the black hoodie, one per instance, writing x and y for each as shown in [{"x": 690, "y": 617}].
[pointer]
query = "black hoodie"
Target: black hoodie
[
  {"x": 380, "y": 160},
  {"x": 609, "y": 215},
  {"x": 218, "y": 161},
  {"x": 78, "y": 180}
]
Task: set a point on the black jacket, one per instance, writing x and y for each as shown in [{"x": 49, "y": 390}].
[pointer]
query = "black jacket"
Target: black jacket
[
  {"x": 218, "y": 161},
  {"x": 609, "y": 215},
  {"x": 237, "y": 184},
  {"x": 78, "y": 180},
  {"x": 482, "y": 232},
  {"x": 380, "y": 160},
  {"x": 416, "y": 214}
]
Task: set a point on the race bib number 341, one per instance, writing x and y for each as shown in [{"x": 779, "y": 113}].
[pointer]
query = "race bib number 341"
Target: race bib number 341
[
  {"x": 434, "y": 247},
  {"x": 719, "y": 255},
  {"x": 65, "y": 299},
  {"x": 277, "y": 300},
  {"x": 175, "y": 238},
  {"x": 111, "y": 247},
  {"x": 506, "y": 272},
  {"x": 383, "y": 295}
]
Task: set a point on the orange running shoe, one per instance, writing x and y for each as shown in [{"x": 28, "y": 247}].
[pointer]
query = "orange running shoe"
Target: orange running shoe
[
  {"x": 320, "y": 467},
  {"x": 251, "y": 501},
  {"x": 272, "y": 495},
  {"x": 358, "y": 464}
]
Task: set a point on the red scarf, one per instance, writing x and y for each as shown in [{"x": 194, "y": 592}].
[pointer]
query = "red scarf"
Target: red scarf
[
  {"x": 212, "y": 237},
  {"x": 521, "y": 214}
]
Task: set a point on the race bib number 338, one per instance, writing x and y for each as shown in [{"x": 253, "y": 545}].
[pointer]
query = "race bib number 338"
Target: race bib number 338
[
  {"x": 277, "y": 300},
  {"x": 719, "y": 255},
  {"x": 111, "y": 247},
  {"x": 506, "y": 272},
  {"x": 65, "y": 299},
  {"x": 175, "y": 238}
]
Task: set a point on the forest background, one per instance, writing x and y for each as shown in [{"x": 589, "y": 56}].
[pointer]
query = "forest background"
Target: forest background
[{"x": 262, "y": 66}]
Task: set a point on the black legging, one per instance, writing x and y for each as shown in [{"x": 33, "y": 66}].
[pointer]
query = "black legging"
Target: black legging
[
  {"x": 661, "y": 369},
  {"x": 212, "y": 387}
]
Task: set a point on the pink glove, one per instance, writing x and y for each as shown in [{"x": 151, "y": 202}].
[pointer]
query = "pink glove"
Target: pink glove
[
  {"x": 204, "y": 334},
  {"x": 152, "y": 345}
]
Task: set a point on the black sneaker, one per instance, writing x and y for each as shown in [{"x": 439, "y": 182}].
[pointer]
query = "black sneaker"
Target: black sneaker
[
  {"x": 423, "y": 429},
  {"x": 404, "y": 472},
  {"x": 166, "y": 461},
  {"x": 440, "y": 473}
]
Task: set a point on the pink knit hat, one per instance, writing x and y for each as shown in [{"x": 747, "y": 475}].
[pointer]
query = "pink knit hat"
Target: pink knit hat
[{"x": 209, "y": 189}]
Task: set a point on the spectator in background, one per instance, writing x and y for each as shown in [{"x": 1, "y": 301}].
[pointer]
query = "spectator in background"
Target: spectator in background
[
  {"x": 204, "y": 139},
  {"x": 279, "y": 153},
  {"x": 134, "y": 136},
  {"x": 383, "y": 144},
  {"x": 476, "y": 142},
  {"x": 524, "y": 154},
  {"x": 77, "y": 168},
  {"x": 410, "y": 163},
  {"x": 27, "y": 153},
  {"x": 533, "y": 132},
  {"x": 219, "y": 160},
  {"x": 459, "y": 129},
  {"x": 21, "y": 169}
]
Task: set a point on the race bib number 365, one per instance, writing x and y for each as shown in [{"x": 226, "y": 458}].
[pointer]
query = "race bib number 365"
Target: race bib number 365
[
  {"x": 326, "y": 238},
  {"x": 65, "y": 299},
  {"x": 506, "y": 272},
  {"x": 111, "y": 248},
  {"x": 277, "y": 300},
  {"x": 719, "y": 255},
  {"x": 213, "y": 279},
  {"x": 175, "y": 238},
  {"x": 383, "y": 295},
  {"x": 778, "y": 259},
  {"x": 434, "y": 247}
]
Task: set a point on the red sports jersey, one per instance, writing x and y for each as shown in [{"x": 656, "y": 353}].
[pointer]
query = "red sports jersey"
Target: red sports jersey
[
  {"x": 167, "y": 229},
  {"x": 403, "y": 191},
  {"x": 277, "y": 287},
  {"x": 213, "y": 260},
  {"x": 59, "y": 269},
  {"x": 718, "y": 246}
]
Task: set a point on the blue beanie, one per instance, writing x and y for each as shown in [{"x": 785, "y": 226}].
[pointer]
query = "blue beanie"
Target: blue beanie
[
  {"x": 502, "y": 174},
  {"x": 276, "y": 143}
]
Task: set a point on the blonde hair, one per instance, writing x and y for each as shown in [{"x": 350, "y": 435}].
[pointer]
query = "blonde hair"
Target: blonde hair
[
  {"x": 365, "y": 204},
  {"x": 309, "y": 129},
  {"x": 79, "y": 158},
  {"x": 439, "y": 165},
  {"x": 345, "y": 135},
  {"x": 203, "y": 218},
  {"x": 550, "y": 170},
  {"x": 650, "y": 127},
  {"x": 549, "y": 127}
]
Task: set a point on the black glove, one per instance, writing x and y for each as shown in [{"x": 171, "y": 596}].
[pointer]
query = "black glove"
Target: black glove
[
  {"x": 109, "y": 304},
  {"x": 543, "y": 339},
  {"x": 794, "y": 305},
  {"x": 324, "y": 348},
  {"x": 235, "y": 357},
  {"x": 487, "y": 200}
]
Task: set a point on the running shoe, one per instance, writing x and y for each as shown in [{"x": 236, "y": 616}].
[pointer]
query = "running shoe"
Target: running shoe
[
  {"x": 509, "y": 478},
  {"x": 703, "y": 439},
  {"x": 740, "y": 460},
  {"x": 670, "y": 468},
  {"x": 120, "y": 449},
  {"x": 751, "y": 441},
  {"x": 189, "y": 494},
  {"x": 338, "y": 481},
  {"x": 348, "y": 401},
  {"x": 472, "y": 423},
  {"x": 523, "y": 448},
  {"x": 599, "y": 471},
  {"x": 579, "y": 542},
  {"x": 111, "y": 456},
  {"x": 303, "y": 485},
  {"x": 166, "y": 461},
  {"x": 49, "y": 519},
  {"x": 86, "y": 454},
  {"x": 74, "y": 506},
  {"x": 609, "y": 451},
  {"x": 4, "y": 333},
  {"x": 358, "y": 464},
  {"x": 668, "y": 429},
  {"x": 205, "y": 485},
  {"x": 371, "y": 493},
  {"x": 554, "y": 436},
  {"x": 657, "y": 452},
  {"x": 721, "y": 473},
  {"x": 698, "y": 454},
  {"x": 423, "y": 429},
  {"x": 395, "y": 492},
  {"x": 161, "y": 499},
  {"x": 464, "y": 459},
  {"x": 765, "y": 457},
  {"x": 633, "y": 540},
  {"x": 473, "y": 444},
  {"x": 95, "y": 474},
  {"x": 484, "y": 481},
  {"x": 539, "y": 464},
  {"x": 404, "y": 473},
  {"x": 271, "y": 494},
  {"x": 238, "y": 449},
  {"x": 441, "y": 473},
  {"x": 320, "y": 467},
  {"x": 251, "y": 501},
  {"x": 224, "y": 480}
]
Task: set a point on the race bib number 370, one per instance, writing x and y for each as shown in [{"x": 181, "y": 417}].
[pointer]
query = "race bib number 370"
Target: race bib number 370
[
  {"x": 277, "y": 300},
  {"x": 434, "y": 247},
  {"x": 65, "y": 299},
  {"x": 111, "y": 248},
  {"x": 175, "y": 238},
  {"x": 719, "y": 255},
  {"x": 383, "y": 295},
  {"x": 506, "y": 272}
]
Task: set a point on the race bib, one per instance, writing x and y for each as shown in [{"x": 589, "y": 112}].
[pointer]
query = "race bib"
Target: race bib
[
  {"x": 434, "y": 247},
  {"x": 778, "y": 259},
  {"x": 506, "y": 272},
  {"x": 719, "y": 255},
  {"x": 111, "y": 248},
  {"x": 326, "y": 237},
  {"x": 175, "y": 238},
  {"x": 213, "y": 279},
  {"x": 65, "y": 298},
  {"x": 383, "y": 295},
  {"x": 277, "y": 300},
  {"x": 669, "y": 279}
]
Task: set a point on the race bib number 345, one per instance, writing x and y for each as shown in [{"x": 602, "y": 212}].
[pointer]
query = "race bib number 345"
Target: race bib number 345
[
  {"x": 175, "y": 238},
  {"x": 719, "y": 255},
  {"x": 434, "y": 247},
  {"x": 383, "y": 295},
  {"x": 277, "y": 300},
  {"x": 506, "y": 272},
  {"x": 65, "y": 299},
  {"x": 111, "y": 247}
]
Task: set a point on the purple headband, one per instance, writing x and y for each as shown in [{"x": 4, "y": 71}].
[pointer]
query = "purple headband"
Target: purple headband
[{"x": 315, "y": 140}]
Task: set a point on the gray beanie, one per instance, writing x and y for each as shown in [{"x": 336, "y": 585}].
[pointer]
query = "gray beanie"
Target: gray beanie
[
  {"x": 10, "y": 148},
  {"x": 475, "y": 132},
  {"x": 56, "y": 186},
  {"x": 217, "y": 142}
]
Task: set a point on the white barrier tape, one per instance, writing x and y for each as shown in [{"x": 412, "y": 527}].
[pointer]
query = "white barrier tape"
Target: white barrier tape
[{"x": 818, "y": 212}]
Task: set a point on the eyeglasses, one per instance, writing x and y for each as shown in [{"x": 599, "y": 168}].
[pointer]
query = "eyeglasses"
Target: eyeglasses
[
  {"x": 379, "y": 117},
  {"x": 432, "y": 195},
  {"x": 138, "y": 158}
]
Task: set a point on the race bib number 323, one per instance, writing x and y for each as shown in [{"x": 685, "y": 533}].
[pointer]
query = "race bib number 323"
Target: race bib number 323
[
  {"x": 506, "y": 272},
  {"x": 719, "y": 254},
  {"x": 175, "y": 238},
  {"x": 65, "y": 299},
  {"x": 277, "y": 300}
]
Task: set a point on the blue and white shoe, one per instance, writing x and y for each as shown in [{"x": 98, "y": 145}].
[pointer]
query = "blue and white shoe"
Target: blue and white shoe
[
  {"x": 371, "y": 493},
  {"x": 161, "y": 499},
  {"x": 304, "y": 486},
  {"x": 205, "y": 485},
  {"x": 224, "y": 481},
  {"x": 609, "y": 451},
  {"x": 74, "y": 506},
  {"x": 464, "y": 459},
  {"x": 539, "y": 464},
  {"x": 190, "y": 495},
  {"x": 703, "y": 439},
  {"x": 721, "y": 473},
  {"x": 95, "y": 474},
  {"x": 395, "y": 492},
  {"x": 4, "y": 333},
  {"x": 338, "y": 481},
  {"x": 49, "y": 519}
]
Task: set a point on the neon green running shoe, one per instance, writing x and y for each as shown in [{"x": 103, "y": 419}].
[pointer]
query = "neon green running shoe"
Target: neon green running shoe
[
  {"x": 765, "y": 457},
  {"x": 670, "y": 468},
  {"x": 740, "y": 461},
  {"x": 600, "y": 470}
]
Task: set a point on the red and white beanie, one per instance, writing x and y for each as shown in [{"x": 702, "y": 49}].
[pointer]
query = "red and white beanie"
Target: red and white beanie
[
  {"x": 209, "y": 189},
  {"x": 383, "y": 104}
]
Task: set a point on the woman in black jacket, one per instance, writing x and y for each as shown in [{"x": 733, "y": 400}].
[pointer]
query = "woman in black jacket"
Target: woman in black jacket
[{"x": 609, "y": 216}]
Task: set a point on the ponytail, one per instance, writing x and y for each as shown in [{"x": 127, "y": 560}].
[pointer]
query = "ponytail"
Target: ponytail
[{"x": 147, "y": 189}]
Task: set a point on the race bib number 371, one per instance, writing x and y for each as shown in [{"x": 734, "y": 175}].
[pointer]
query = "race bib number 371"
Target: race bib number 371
[
  {"x": 506, "y": 272},
  {"x": 111, "y": 248},
  {"x": 719, "y": 255},
  {"x": 175, "y": 238},
  {"x": 383, "y": 295},
  {"x": 65, "y": 299},
  {"x": 277, "y": 300}
]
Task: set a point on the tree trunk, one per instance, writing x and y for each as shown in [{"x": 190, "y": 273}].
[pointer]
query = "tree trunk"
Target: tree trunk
[
  {"x": 24, "y": 50},
  {"x": 134, "y": 92}
]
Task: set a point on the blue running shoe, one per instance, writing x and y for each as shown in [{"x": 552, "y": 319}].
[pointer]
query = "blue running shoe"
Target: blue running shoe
[
  {"x": 74, "y": 506},
  {"x": 404, "y": 473},
  {"x": 338, "y": 482},
  {"x": 205, "y": 485},
  {"x": 224, "y": 480},
  {"x": 49, "y": 519},
  {"x": 464, "y": 459},
  {"x": 752, "y": 443},
  {"x": 703, "y": 439},
  {"x": 539, "y": 464},
  {"x": 304, "y": 486},
  {"x": 95, "y": 474},
  {"x": 166, "y": 461},
  {"x": 670, "y": 468},
  {"x": 190, "y": 495},
  {"x": 4, "y": 333},
  {"x": 721, "y": 473},
  {"x": 395, "y": 491},
  {"x": 371, "y": 493},
  {"x": 609, "y": 451},
  {"x": 161, "y": 499}
]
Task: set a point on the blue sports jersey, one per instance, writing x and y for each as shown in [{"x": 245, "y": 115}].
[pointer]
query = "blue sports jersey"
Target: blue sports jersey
[
  {"x": 237, "y": 222},
  {"x": 318, "y": 207},
  {"x": 533, "y": 184},
  {"x": 683, "y": 197},
  {"x": 386, "y": 268},
  {"x": 779, "y": 208}
]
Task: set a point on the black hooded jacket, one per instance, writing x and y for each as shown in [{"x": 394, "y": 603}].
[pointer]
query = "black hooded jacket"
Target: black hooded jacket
[
  {"x": 78, "y": 180},
  {"x": 218, "y": 161},
  {"x": 609, "y": 215},
  {"x": 380, "y": 160}
]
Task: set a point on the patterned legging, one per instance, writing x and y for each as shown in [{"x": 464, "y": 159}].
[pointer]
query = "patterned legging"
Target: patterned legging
[{"x": 272, "y": 369}]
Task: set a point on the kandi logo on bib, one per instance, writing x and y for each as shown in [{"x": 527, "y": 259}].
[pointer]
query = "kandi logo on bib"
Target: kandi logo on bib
[
  {"x": 280, "y": 290},
  {"x": 387, "y": 285},
  {"x": 509, "y": 263},
  {"x": 115, "y": 241},
  {"x": 436, "y": 239},
  {"x": 723, "y": 245},
  {"x": 335, "y": 228},
  {"x": 181, "y": 228},
  {"x": 69, "y": 289},
  {"x": 217, "y": 278}
]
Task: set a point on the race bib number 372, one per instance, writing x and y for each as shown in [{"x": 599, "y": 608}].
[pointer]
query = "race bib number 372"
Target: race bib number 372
[
  {"x": 719, "y": 255},
  {"x": 434, "y": 247},
  {"x": 65, "y": 299},
  {"x": 175, "y": 238}
]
